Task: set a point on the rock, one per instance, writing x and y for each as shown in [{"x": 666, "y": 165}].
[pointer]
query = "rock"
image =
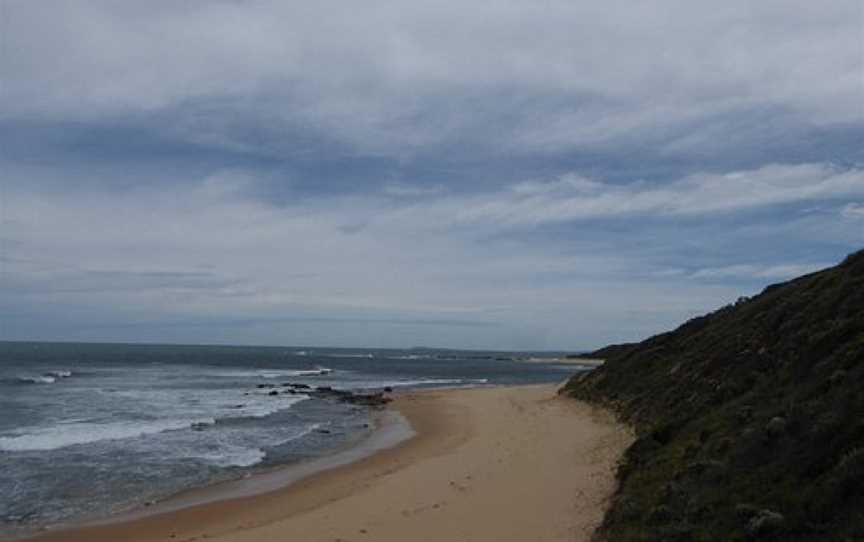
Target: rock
[
  {"x": 766, "y": 521},
  {"x": 776, "y": 426},
  {"x": 344, "y": 396},
  {"x": 266, "y": 386},
  {"x": 388, "y": 389},
  {"x": 274, "y": 392},
  {"x": 374, "y": 399}
]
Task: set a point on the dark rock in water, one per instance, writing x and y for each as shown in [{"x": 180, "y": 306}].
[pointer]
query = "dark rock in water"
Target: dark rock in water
[
  {"x": 373, "y": 399},
  {"x": 274, "y": 392},
  {"x": 239, "y": 406},
  {"x": 323, "y": 431},
  {"x": 266, "y": 386},
  {"x": 301, "y": 386},
  {"x": 388, "y": 389},
  {"x": 199, "y": 426},
  {"x": 345, "y": 396}
]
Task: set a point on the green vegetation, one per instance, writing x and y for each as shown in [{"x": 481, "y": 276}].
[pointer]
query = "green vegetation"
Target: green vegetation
[{"x": 750, "y": 420}]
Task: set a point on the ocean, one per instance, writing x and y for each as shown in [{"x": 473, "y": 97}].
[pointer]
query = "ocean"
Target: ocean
[{"x": 91, "y": 430}]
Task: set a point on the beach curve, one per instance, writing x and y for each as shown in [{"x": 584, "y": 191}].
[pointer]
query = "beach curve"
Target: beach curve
[{"x": 487, "y": 463}]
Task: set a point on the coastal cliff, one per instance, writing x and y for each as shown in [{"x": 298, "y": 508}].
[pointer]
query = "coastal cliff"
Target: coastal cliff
[{"x": 750, "y": 419}]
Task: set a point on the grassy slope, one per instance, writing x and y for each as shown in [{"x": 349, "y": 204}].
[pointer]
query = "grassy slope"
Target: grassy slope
[{"x": 756, "y": 407}]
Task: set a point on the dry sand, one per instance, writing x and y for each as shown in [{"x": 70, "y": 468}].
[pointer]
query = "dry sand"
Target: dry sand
[{"x": 494, "y": 464}]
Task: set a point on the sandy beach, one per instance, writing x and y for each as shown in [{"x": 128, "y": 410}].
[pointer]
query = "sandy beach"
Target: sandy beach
[{"x": 497, "y": 463}]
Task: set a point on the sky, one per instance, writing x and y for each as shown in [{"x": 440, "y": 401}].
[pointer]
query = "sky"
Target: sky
[{"x": 550, "y": 175}]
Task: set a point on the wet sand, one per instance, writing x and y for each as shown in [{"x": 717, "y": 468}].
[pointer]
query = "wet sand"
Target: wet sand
[{"x": 497, "y": 463}]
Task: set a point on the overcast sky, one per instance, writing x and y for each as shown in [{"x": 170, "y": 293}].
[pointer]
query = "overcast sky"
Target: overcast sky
[{"x": 488, "y": 174}]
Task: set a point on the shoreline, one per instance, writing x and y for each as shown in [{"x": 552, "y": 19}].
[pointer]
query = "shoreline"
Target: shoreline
[
  {"x": 455, "y": 430},
  {"x": 391, "y": 429}
]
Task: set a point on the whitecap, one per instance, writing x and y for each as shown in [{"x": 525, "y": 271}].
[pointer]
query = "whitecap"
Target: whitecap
[
  {"x": 275, "y": 373},
  {"x": 37, "y": 379},
  {"x": 234, "y": 456},
  {"x": 264, "y": 408},
  {"x": 70, "y": 434}
]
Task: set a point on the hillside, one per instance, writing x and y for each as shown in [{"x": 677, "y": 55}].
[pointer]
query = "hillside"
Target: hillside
[{"x": 750, "y": 419}]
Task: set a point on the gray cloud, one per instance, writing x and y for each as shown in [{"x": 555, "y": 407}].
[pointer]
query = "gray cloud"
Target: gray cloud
[
  {"x": 487, "y": 174},
  {"x": 211, "y": 251},
  {"x": 395, "y": 78}
]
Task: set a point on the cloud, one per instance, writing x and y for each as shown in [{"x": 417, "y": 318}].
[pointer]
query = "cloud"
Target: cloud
[
  {"x": 853, "y": 211},
  {"x": 568, "y": 173},
  {"x": 400, "y": 190},
  {"x": 396, "y": 80},
  {"x": 573, "y": 198},
  {"x": 212, "y": 251}
]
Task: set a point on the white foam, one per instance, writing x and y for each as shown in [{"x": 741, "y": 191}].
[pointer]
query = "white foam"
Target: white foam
[
  {"x": 234, "y": 456},
  {"x": 37, "y": 379},
  {"x": 70, "y": 434},
  {"x": 199, "y": 403},
  {"x": 264, "y": 408},
  {"x": 367, "y": 356},
  {"x": 275, "y": 373},
  {"x": 59, "y": 374},
  {"x": 411, "y": 356}
]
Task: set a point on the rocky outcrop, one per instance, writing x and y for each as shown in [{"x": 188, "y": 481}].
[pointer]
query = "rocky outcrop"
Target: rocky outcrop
[{"x": 374, "y": 399}]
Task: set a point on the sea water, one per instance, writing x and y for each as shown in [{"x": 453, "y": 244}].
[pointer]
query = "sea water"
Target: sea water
[{"x": 90, "y": 430}]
